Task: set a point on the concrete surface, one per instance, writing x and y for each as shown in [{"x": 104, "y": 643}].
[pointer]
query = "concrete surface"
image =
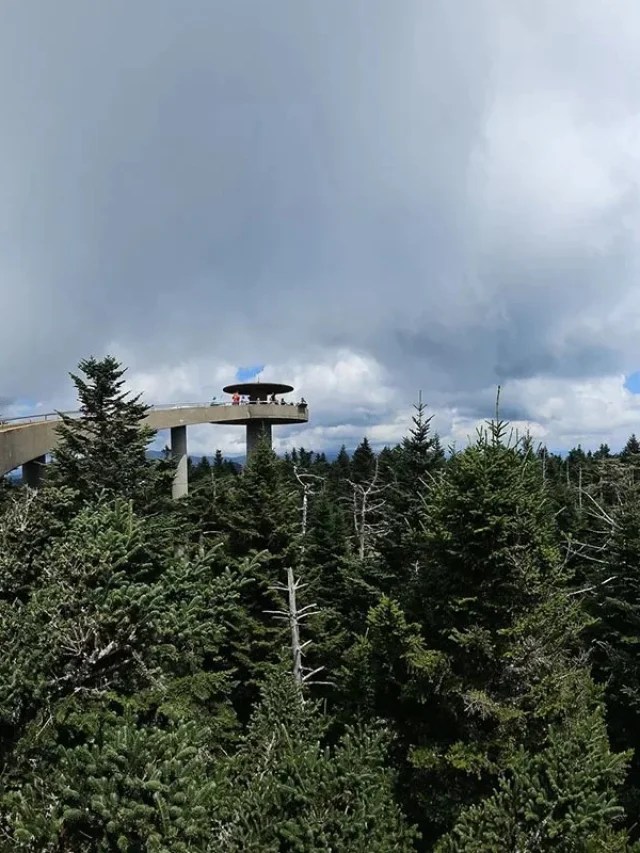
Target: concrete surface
[
  {"x": 180, "y": 486},
  {"x": 22, "y": 442}
]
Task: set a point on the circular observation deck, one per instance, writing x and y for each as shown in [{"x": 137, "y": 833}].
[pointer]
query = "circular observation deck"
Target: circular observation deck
[
  {"x": 257, "y": 390},
  {"x": 258, "y": 411}
]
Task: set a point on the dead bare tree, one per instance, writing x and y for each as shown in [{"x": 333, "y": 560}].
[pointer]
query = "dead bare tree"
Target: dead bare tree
[
  {"x": 599, "y": 519},
  {"x": 368, "y": 502},
  {"x": 309, "y": 484},
  {"x": 294, "y": 615}
]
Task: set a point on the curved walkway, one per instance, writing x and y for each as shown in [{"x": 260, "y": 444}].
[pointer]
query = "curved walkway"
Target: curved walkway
[{"x": 25, "y": 439}]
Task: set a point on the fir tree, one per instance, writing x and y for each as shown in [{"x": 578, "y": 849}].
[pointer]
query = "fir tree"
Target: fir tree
[
  {"x": 603, "y": 452},
  {"x": 564, "y": 799},
  {"x": 489, "y": 538},
  {"x": 489, "y": 573},
  {"x": 412, "y": 471},
  {"x": 363, "y": 462},
  {"x": 199, "y": 471},
  {"x": 630, "y": 454},
  {"x": 288, "y": 793},
  {"x": 632, "y": 447},
  {"x": 421, "y": 452},
  {"x": 340, "y": 474},
  {"x": 262, "y": 535},
  {"x": 614, "y": 601},
  {"x": 103, "y": 452},
  {"x": 125, "y": 786}
]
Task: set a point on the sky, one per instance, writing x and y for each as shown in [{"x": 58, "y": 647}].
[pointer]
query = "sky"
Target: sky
[{"x": 365, "y": 199}]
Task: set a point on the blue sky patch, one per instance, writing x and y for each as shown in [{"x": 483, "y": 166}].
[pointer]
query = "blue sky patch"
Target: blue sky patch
[
  {"x": 246, "y": 374},
  {"x": 632, "y": 382}
]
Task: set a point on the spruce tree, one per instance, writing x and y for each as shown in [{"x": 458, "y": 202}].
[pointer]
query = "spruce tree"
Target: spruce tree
[
  {"x": 326, "y": 571},
  {"x": 603, "y": 452},
  {"x": 262, "y": 536},
  {"x": 631, "y": 448},
  {"x": 103, "y": 451},
  {"x": 613, "y": 581},
  {"x": 563, "y": 798},
  {"x": 342, "y": 465},
  {"x": 411, "y": 473},
  {"x": 363, "y": 462},
  {"x": 489, "y": 538},
  {"x": 125, "y": 786},
  {"x": 421, "y": 452},
  {"x": 488, "y": 575},
  {"x": 289, "y": 792},
  {"x": 200, "y": 471}
]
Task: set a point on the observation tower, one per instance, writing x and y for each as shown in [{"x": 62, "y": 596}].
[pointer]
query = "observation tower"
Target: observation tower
[
  {"x": 25, "y": 441},
  {"x": 259, "y": 405}
]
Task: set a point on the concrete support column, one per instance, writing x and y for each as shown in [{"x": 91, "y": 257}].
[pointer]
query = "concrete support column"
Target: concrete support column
[
  {"x": 179, "y": 452},
  {"x": 33, "y": 471},
  {"x": 257, "y": 430}
]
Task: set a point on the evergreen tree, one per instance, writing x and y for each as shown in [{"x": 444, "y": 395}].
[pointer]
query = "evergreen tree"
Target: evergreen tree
[
  {"x": 489, "y": 539},
  {"x": 603, "y": 452},
  {"x": 614, "y": 601},
  {"x": 340, "y": 474},
  {"x": 421, "y": 452},
  {"x": 363, "y": 462},
  {"x": 632, "y": 447},
  {"x": 326, "y": 549},
  {"x": 630, "y": 455},
  {"x": 202, "y": 515},
  {"x": 563, "y": 798},
  {"x": 262, "y": 536},
  {"x": 125, "y": 787},
  {"x": 489, "y": 575},
  {"x": 102, "y": 611},
  {"x": 288, "y": 793},
  {"x": 325, "y": 570},
  {"x": 342, "y": 465},
  {"x": 411, "y": 474},
  {"x": 104, "y": 450},
  {"x": 199, "y": 471}
]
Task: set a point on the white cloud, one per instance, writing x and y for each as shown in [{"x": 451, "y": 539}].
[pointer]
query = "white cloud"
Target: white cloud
[
  {"x": 448, "y": 198},
  {"x": 565, "y": 413},
  {"x": 347, "y": 389}
]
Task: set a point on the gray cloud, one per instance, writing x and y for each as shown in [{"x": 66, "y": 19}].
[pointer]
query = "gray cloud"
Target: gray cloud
[{"x": 451, "y": 190}]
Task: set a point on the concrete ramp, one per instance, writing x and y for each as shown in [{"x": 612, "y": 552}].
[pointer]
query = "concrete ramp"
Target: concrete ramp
[{"x": 26, "y": 439}]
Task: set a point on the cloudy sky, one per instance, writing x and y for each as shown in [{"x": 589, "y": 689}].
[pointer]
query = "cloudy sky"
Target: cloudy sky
[{"x": 369, "y": 197}]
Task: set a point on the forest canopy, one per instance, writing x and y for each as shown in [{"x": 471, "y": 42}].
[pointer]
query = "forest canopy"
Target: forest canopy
[{"x": 401, "y": 650}]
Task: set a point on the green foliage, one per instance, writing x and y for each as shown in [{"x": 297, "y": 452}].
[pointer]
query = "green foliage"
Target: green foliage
[
  {"x": 614, "y": 601},
  {"x": 489, "y": 538},
  {"x": 291, "y": 794},
  {"x": 263, "y": 539},
  {"x": 631, "y": 450},
  {"x": 478, "y": 624},
  {"x": 363, "y": 462},
  {"x": 29, "y": 523},
  {"x": 86, "y": 614},
  {"x": 110, "y": 606},
  {"x": 104, "y": 450},
  {"x": 563, "y": 798},
  {"x": 411, "y": 470},
  {"x": 263, "y": 511},
  {"x": 474, "y": 646},
  {"x": 122, "y": 786}
]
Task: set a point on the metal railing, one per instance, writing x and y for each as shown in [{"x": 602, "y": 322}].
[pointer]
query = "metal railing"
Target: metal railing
[{"x": 56, "y": 416}]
